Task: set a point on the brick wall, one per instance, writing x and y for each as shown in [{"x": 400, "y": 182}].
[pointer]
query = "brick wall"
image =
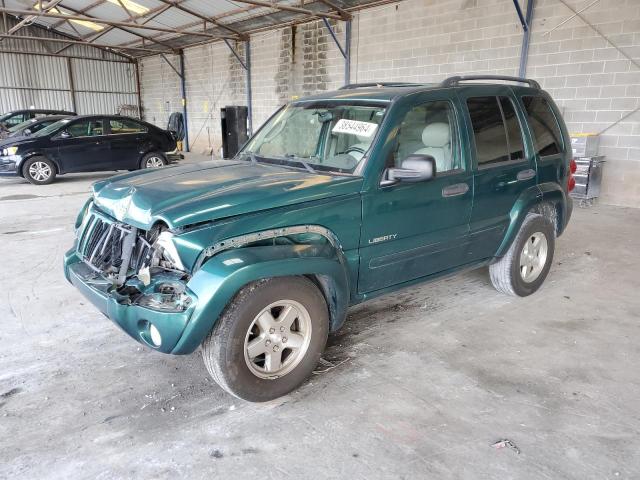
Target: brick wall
[{"x": 426, "y": 41}]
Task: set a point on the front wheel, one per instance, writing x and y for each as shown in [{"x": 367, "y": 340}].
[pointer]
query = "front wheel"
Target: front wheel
[
  {"x": 153, "y": 160},
  {"x": 526, "y": 264},
  {"x": 39, "y": 171},
  {"x": 269, "y": 338}
]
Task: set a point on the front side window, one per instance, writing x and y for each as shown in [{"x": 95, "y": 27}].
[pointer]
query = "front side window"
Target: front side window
[
  {"x": 86, "y": 128},
  {"x": 544, "y": 126},
  {"x": 429, "y": 129},
  {"x": 324, "y": 137},
  {"x": 122, "y": 125}
]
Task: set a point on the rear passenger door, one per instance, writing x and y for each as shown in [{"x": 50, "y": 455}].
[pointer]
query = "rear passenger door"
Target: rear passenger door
[
  {"x": 127, "y": 138},
  {"x": 503, "y": 167}
]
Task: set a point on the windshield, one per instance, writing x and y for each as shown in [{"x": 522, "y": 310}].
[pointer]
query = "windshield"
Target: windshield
[
  {"x": 329, "y": 138},
  {"x": 21, "y": 126},
  {"x": 54, "y": 127}
]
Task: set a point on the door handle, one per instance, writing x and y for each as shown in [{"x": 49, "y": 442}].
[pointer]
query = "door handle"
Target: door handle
[
  {"x": 455, "y": 190},
  {"x": 527, "y": 174}
]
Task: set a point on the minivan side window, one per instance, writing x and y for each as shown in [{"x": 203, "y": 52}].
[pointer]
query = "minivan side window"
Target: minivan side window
[
  {"x": 489, "y": 130},
  {"x": 544, "y": 126}
]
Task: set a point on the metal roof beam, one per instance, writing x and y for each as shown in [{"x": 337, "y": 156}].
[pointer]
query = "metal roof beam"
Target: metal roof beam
[
  {"x": 289, "y": 8},
  {"x": 30, "y": 19},
  {"x": 212, "y": 20},
  {"x": 82, "y": 42},
  {"x": 111, "y": 22},
  {"x": 124, "y": 29},
  {"x": 341, "y": 11}
]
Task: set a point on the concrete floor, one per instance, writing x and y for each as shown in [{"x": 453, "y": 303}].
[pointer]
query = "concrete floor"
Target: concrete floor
[{"x": 418, "y": 384}]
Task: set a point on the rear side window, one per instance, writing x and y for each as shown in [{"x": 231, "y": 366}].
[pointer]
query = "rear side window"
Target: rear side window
[
  {"x": 514, "y": 132},
  {"x": 122, "y": 125},
  {"x": 488, "y": 130},
  {"x": 544, "y": 126}
]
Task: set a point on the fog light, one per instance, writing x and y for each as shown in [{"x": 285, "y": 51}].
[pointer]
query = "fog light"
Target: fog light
[{"x": 154, "y": 333}]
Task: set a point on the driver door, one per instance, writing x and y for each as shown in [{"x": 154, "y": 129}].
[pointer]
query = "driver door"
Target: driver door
[
  {"x": 84, "y": 147},
  {"x": 412, "y": 230}
]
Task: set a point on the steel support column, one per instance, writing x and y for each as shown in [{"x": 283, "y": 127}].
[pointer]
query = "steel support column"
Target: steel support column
[
  {"x": 138, "y": 89},
  {"x": 526, "y": 37},
  {"x": 347, "y": 48},
  {"x": 72, "y": 85},
  {"x": 183, "y": 93},
  {"x": 344, "y": 51},
  {"x": 247, "y": 60}
]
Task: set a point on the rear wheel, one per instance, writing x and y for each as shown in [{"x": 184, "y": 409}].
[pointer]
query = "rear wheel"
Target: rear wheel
[
  {"x": 39, "y": 171},
  {"x": 153, "y": 160},
  {"x": 269, "y": 338},
  {"x": 526, "y": 264}
]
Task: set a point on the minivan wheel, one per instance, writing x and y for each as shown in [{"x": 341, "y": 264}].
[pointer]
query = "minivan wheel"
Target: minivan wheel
[
  {"x": 153, "y": 160},
  {"x": 527, "y": 262},
  {"x": 39, "y": 171},
  {"x": 269, "y": 338}
]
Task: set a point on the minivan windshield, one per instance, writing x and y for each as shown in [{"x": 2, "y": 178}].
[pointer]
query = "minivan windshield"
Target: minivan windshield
[
  {"x": 54, "y": 127},
  {"x": 332, "y": 138}
]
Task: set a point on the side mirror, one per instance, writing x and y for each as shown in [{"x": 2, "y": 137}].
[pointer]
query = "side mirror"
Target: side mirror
[
  {"x": 415, "y": 168},
  {"x": 26, "y": 132},
  {"x": 65, "y": 134}
]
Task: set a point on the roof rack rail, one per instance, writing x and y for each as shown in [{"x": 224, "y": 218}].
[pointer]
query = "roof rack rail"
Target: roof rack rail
[
  {"x": 351, "y": 86},
  {"x": 452, "y": 81}
]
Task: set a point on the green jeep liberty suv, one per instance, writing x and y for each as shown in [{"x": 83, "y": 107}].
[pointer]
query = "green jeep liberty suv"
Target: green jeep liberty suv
[{"x": 338, "y": 198}]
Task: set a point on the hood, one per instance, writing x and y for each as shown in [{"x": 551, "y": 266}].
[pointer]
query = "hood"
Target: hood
[
  {"x": 16, "y": 141},
  {"x": 190, "y": 194}
]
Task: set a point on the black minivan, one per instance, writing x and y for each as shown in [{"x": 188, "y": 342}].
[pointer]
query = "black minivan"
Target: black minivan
[{"x": 89, "y": 143}]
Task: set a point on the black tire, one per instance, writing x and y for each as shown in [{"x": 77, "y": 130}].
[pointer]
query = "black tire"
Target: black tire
[
  {"x": 144, "y": 162},
  {"x": 506, "y": 274},
  {"x": 36, "y": 177},
  {"x": 223, "y": 351}
]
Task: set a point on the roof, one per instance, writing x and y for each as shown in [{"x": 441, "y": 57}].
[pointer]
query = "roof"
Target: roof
[
  {"x": 142, "y": 27},
  {"x": 370, "y": 94}
]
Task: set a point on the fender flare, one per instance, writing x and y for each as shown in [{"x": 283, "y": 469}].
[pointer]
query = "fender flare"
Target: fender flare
[
  {"x": 531, "y": 199},
  {"x": 527, "y": 200},
  {"x": 225, "y": 274}
]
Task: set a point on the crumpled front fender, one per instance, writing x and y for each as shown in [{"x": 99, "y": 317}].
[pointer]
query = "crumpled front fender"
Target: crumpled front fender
[{"x": 222, "y": 277}]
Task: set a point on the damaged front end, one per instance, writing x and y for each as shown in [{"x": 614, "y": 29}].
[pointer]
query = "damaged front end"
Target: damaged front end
[{"x": 133, "y": 276}]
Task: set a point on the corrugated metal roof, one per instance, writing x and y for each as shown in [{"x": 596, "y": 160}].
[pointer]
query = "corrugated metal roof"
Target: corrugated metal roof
[{"x": 184, "y": 17}]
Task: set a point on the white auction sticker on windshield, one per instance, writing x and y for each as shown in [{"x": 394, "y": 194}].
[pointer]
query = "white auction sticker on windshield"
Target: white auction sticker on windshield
[{"x": 355, "y": 127}]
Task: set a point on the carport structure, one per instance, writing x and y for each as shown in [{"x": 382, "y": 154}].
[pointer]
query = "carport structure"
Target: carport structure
[
  {"x": 135, "y": 29},
  {"x": 584, "y": 52}
]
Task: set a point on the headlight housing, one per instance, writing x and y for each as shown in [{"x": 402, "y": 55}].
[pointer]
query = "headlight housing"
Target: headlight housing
[
  {"x": 167, "y": 252},
  {"x": 9, "y": 151}
]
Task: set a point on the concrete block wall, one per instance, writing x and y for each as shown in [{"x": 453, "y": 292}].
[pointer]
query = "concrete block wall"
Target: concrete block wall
[
  {"x": 426, "y": 41},
  {"x": 159, "y": 89}
]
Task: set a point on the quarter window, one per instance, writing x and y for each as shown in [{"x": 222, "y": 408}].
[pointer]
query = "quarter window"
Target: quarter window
[
  {"x": 429, "y": 129},
  {"x": 544, "y": 126},
  {"x": 120, "y": 126},
  {"x": 86, "y": 128}
]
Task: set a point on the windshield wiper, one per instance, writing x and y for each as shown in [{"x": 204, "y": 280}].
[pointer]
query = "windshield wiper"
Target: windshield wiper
[{"x": 293, "y": 157}]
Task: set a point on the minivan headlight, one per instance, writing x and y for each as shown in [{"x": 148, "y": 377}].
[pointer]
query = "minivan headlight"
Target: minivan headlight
[{"x": 9, "y": 151}]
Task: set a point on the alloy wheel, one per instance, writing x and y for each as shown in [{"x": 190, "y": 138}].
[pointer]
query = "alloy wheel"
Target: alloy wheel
[
  {"x": 39, "y": 171},
  {"x": 277, "y": 339},
  {"x": 154, "y": 162},
  {"x": 533, "y": 257}
]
